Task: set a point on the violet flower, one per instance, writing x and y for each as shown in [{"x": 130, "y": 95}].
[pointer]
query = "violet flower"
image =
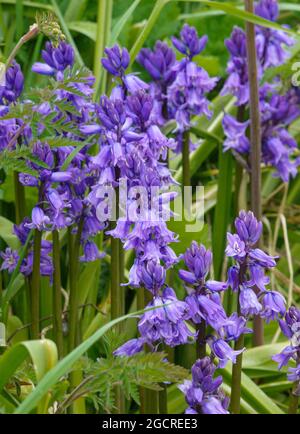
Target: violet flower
[
  {"x": 290, "y": 327},
  {"x": 251, "y": 262},
  {"x": 14, "y": 82},
  {"x": 277, "y": 111},
  {"x": 203, "y": 393}
]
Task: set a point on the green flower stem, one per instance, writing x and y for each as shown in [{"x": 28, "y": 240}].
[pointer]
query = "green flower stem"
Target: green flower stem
[
  {"x": 104, "y": 18},
  {"x": 35, "y": 285},
  {"x": 151, "y": 402},
  {"x": 163, "y": 400},
  {"x": 115, "y": 279},
  {"x": 255, "y": 141},
  {"x": 74, "y": 247},
  {"x": 117, "y": 296},
  {"x": 141, "y": 305},
  {"x": 235, "y": 401},
  {"x": 162, "y": 394},
  {"x": 57, "y": 302},
  {"x": 90, "y": 311},
  {"x": 78, "y": 406},
  {"x": 294, "y": 401},
  {"x": 186, "y": 173}
]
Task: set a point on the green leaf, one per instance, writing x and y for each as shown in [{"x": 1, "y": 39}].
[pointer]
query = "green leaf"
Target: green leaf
[
  {"x": 87, "y": 279},
  {"x": 185, "y": 238},
  {"x": 43, "y": 354},
  {"x": 72, "y": 155},
  {"x": 75, "y": 9},
  {"x": 86, "y": 28},
  {"x": 64, "y": 365},
  {"x": 252, "y": 394},
  {"x": 222, "y": 209},
  {"x": 121, "y": 23},
  {"x": 259, "y": 359},
  {"x": 6, "y": 232},
  {"x": 147, "y": 28},
  {"x": 6, "y": 406},
  {"x": 242, "y": 15}
]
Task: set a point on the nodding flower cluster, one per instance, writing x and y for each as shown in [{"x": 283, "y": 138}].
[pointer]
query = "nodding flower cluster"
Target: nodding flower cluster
[
  {"x": 277, "y": 111},
  {"x": 203, "y": 393},
  {"x": 203, "y": 305},
  {"x": 179, "y": 87},
  {"x": 132, "y": 149},
  {"x": 290, "y": 327},
  {"x": 62, "y": 190},
  {"x": 247, "y": 277}
]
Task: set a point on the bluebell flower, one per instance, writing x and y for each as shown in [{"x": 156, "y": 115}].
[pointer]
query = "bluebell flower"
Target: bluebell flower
[
  {"x": 203, "y": 393},
  {"x": 223, "y": 351},
  {"x": 14, "y": 83},
  {"x": 249, "y": 302},
  {"x": 274, "y": 305},
  {"x": 10, "y": 259},
  {"x": 130, "y": 347},
  {"x": 189, "y": 43},
  {"x": 117, "y": 60}
]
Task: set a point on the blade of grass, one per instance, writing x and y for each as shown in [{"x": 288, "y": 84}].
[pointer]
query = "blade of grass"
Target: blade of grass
[
  {"x": 147, "y": 29},
  {"x": 120, "y": 24},
  {"x": 65, "y": 364},
  {"x": 222, "y": 209},
  {"x": 19, "y": 19},
  {"x": 242, "y": 15}
]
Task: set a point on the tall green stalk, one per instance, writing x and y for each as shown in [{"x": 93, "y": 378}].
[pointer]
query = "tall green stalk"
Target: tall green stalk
[
  {"x": 78, "y": 406},
  {"x": 186, "y": 173},
  {"x": 294, "y": 401},
  {"x": 115, "y": 279},
  {"x": 255, "y": 140},
  {"x": 117, "y": 304},
  {"x": 235, "y": 400},
  {"x": 74, "y": 248},
  {"x": 151, "y": 396},
  {"x": 35, "y": 285},
  {"x": 57, "y": 302},
  {"x": 104, "y": 16}
]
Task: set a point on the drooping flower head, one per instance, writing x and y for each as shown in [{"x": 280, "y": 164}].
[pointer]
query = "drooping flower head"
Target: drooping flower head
[{"x": 203, "y": 393}]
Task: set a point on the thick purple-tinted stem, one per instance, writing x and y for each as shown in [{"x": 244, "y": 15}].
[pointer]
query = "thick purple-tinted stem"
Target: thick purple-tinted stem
[{"x": 255, "y": 140}]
